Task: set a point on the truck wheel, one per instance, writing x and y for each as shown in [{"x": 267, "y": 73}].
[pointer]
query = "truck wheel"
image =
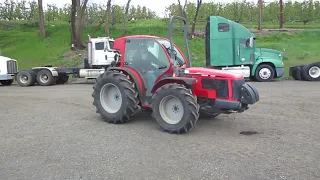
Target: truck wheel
[
  {"x": 26, "y": 78},
  {"x": 45, "y": 78},
  {"x": 115, "y": 97},
  {"x": 311, "y": 72},
  {"x": 62, "y": 79},
  {"x": 264, "y": 73},
  {"x": 175, "y": 108},
  {"x": 296, "y": 73},
  {"x": 6, "y": 82}
]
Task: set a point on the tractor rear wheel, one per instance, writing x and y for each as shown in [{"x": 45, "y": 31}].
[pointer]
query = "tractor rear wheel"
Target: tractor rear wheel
[
  {"x": 115, "y": 97},
  {"x": 175, "y": 108}
]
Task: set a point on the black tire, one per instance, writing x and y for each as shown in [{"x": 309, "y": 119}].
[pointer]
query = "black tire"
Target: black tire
[
  {"x": 48, "y": 78},
  {"x": 188, "y": 101},
  {"x": 305, "y": 75},
  {"x": 6, "y": 82},
  {"x": 129, "y": 94},
  {"x": 62, "y": 79},
  {"x": 26, "y": 78},
  {"x": 260, "y": 67},
  {"x": 296, "y": 73}
]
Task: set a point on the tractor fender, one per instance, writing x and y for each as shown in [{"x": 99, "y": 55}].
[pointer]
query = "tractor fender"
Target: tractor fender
[
  {"x": 136, "y": 77},
  {"x": 188, "y": 82}
]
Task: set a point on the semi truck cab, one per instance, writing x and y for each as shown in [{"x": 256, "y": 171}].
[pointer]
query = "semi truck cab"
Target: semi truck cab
[{"x": 231, "y": 46}]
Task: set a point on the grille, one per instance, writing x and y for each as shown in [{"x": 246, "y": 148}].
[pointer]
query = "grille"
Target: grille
[
  {"x": 236, "y": 88},
  {"x": 221, "y": 86},
  {"x": 12, "y": 67}
]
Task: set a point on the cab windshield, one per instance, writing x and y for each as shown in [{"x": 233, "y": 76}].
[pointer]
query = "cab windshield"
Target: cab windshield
[{"x": 166, "y": 44}]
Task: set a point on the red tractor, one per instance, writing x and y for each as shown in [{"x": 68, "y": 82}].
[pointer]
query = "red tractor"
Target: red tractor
[{"x": 152, "y": 73}]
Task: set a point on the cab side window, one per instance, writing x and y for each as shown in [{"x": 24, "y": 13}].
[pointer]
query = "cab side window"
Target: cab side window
[{"x": 157, "y": 54}]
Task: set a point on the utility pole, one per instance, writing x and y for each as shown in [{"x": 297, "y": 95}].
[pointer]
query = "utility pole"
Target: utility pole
[
  {"x": 259, "y": 15},
  {"x": 281, "y": 14}
]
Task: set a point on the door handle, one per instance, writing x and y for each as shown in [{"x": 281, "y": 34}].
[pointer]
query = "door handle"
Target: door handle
[{"x": 238, "y": 50}]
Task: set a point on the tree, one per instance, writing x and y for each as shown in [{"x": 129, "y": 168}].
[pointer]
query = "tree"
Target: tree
[
  {"x": 77, "y": 24},
  {"x": 124, "y": 30},
  {"x": 41, "y": 20},
  {"x": 199, "y": 2},
  {"x": 107, "y": 22}
]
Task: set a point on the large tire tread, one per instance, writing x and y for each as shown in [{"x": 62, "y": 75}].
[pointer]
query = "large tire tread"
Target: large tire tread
[
  {"x": 193, "y": 109},
  {"x": 130, "y": 94}
]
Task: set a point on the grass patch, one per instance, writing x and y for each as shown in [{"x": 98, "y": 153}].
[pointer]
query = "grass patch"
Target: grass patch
[{"x": 22, "y": 42}]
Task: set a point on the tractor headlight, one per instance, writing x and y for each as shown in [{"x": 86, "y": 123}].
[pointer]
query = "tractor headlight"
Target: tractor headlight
[{"x": 186, "y": 71}]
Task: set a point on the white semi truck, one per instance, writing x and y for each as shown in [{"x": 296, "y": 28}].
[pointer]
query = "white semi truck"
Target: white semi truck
[{"x": 100, "y": 56}]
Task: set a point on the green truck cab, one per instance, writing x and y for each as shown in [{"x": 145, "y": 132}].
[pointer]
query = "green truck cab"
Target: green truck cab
[{"x": 231, "y": 46}]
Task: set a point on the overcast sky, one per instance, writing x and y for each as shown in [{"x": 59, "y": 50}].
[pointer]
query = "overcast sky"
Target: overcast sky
[{"x": 156, "y": 5}]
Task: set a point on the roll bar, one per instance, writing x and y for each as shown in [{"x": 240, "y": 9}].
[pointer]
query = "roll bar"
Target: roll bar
[{"x": 185, "y": 36}]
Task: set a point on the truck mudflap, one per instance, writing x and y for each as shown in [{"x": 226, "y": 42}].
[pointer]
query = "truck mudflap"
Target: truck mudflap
[{"x": 249, "y": 95}]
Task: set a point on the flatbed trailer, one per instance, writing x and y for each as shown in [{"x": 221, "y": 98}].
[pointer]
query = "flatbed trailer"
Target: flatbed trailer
[{"x": 47, "y": 76}]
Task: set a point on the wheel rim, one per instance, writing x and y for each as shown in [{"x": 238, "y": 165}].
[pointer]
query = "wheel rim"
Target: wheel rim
[
  {"x": 24, "y": 78},
  {"x": 265, "y": 73},
  {"x": 314, "y": 72},
  {"x": 110, "y": 98},
  {"x": 171, "y": 110},
  {"x": 44, "y": 78}
]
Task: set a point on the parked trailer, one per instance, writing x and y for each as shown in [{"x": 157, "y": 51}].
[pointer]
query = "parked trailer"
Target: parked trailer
[{"x": 100, "y": 56}]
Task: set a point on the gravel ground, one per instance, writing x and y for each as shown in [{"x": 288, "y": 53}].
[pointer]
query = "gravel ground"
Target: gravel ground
[{"x": 54, "y": 133}]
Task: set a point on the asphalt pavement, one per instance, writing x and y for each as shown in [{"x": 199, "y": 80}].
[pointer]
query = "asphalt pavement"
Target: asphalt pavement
[{"x": 55, "y": 133}]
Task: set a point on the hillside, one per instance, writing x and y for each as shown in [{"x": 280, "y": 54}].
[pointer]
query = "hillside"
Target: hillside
[{"x": 22, "y": 42}]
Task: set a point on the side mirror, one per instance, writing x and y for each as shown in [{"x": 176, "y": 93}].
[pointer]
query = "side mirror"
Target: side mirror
[{"x": 251, "y": 42}]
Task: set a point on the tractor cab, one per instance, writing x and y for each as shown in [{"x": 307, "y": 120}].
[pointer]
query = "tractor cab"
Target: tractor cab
[{"x": 150, "y": 57}]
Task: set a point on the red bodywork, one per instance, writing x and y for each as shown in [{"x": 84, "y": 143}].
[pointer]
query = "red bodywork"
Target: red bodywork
[
  {"x": 195, "y": 73},
  {"x": 206, "y": 73}
]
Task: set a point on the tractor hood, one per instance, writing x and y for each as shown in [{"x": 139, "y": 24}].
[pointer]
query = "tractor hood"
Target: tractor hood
[
  {"x": 266, "y": 53},
  {"x": 212, "y": 72}
]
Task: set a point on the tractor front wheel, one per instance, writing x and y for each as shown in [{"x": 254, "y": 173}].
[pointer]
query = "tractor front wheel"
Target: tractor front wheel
[
  {"x": 175, "y": 108},
  {"x": 115, "y": 97}
]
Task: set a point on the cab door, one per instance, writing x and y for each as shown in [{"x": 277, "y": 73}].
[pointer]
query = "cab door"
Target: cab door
[
  {"x": 157, "y": 53},
  {"x": 245, "y": 53},
  {"x": 98, "y": 54}
]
